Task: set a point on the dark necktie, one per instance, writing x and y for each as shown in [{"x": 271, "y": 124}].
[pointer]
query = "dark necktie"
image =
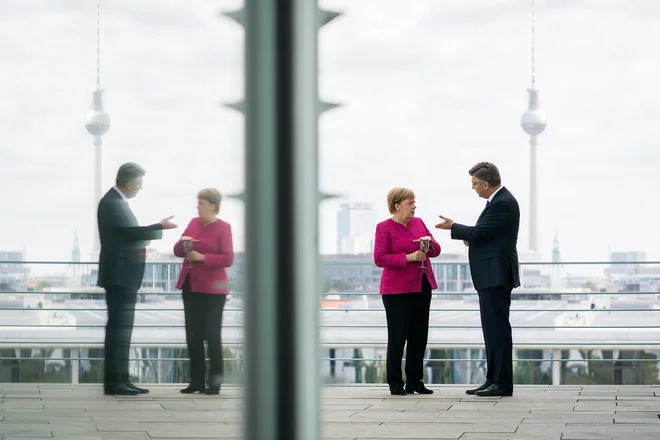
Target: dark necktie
[{"x": 484, "y": 211}]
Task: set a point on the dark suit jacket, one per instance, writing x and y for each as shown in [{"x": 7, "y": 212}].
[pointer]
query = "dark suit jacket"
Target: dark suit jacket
[
  {"x": 492, "y": 253},
  {"x": 123, "y": 243}
]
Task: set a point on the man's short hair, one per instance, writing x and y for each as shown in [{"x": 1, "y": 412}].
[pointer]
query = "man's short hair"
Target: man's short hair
[
  {"x": 129, "y": 172},
  {"x": 486, "y": 172}
]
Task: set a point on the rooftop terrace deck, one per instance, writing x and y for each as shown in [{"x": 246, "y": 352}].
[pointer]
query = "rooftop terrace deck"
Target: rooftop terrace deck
[{"x": 36, "y": 411}]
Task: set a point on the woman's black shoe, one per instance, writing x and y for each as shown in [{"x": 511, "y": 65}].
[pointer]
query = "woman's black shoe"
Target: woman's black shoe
[
  {"x": 212, "y": 389},
  {"x": 194, "y": 388}
]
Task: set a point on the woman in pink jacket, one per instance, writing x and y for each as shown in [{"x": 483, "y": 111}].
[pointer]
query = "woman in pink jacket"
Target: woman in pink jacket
[
  {"x": 405, "y": 286},
  {"x": 207, "y": 247}
]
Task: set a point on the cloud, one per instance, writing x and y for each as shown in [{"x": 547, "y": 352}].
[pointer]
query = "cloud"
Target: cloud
[
  {"x": 470, "y": 70},
  {"x": 429, "y": 88}
]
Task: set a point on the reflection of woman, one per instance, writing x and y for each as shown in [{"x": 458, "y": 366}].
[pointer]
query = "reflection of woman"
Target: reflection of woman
[
  {"x": 204, "y": 285},
  {"x": 405, "y": 286}
]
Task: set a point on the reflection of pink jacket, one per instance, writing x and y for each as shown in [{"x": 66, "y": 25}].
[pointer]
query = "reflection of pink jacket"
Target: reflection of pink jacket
[
  {"x": 215, "y": 242},
  {"x": 393, "y": 242}
]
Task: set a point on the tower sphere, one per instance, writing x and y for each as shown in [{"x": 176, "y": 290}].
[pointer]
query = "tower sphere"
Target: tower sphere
[
  {"x": 97, "y": 122},
  {"x": 533, "y": 121}
]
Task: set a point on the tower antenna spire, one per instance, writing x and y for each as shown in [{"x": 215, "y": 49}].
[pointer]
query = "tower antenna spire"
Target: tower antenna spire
[
  {"x": 97, "y": 124},
  {"x": 98, "y": 44},
  {"x": 533, "y": 43}
]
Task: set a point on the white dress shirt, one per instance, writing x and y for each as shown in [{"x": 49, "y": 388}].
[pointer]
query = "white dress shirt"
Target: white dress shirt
[{"x": 123, "y": 197}]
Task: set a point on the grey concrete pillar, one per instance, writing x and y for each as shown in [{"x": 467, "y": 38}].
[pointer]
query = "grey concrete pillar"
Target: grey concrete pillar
[{"x": 282, "y": 388}]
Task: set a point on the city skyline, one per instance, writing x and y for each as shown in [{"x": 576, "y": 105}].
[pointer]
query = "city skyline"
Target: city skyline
[
  {"x": 415, "y": 113},
  {"x": 356, "y": 228}
]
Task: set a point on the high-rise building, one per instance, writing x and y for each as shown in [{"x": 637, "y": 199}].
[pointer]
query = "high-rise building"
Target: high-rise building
[
  {"x": 97, "y": 124},
  {"x": 630, "y": 264},
  {"x": 12, "y": 270},
  {"x": 11, "y": 262},
  {"x": 356, "y": 226},
  {"x": 628, "y": 257}
]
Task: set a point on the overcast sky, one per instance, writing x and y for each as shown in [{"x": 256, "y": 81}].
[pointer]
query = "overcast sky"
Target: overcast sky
[{"x": 429, "y": 88}]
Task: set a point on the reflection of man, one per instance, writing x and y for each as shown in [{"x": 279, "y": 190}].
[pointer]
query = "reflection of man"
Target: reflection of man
[
  {"x": 494, "y": 266},
  {"x": 121, "y": 268}
]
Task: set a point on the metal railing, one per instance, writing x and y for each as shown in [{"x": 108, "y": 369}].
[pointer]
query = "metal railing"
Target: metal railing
[{"x": 566, "y": 318}]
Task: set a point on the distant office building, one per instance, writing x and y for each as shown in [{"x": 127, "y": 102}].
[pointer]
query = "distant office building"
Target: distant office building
[
  {"x": 629, "y": 272},
  {"x": 453, "y": 273},
  {"x": 356, "y": 226},
  {"x": 626, "y": 263},
  {"x": 160, "y": 273},
  {"x": 627, "y": 257},
  {"x": 12, "y": 270},
  {"x": 349, "y": 273},
  {"x": 8, "y": 260},
  {"x": 11, "y": 263},
  {"x": 357, "y": 273}
]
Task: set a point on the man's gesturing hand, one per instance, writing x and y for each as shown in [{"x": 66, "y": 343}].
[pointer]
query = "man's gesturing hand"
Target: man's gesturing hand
[
  {"x": 166, "y": 223},
  {"x": 446, "y": 224}
]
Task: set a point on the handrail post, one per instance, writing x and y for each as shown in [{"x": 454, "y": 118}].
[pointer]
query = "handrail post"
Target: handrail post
[
  {"x": 556, "y": 367},
  {"x": 75, "y": 366}
]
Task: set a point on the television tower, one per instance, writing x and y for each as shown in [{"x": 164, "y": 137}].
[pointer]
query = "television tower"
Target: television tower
[
  {"x": 97, "y": 124},
  {"x": 533, "y": 122}
]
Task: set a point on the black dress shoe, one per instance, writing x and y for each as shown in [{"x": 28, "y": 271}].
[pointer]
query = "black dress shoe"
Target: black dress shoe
[
  {"x": 138, "y": 389},
  {"x": 495, "y": 390},
  {"x": 212, "y": 390},
  {"x": 119, "y": 390},
  {"x": 419, "y": 388},
  {"x": 398, "y": 391},
  {"x": 474, "y": 390},
  {"x": 194, "y": 388}
]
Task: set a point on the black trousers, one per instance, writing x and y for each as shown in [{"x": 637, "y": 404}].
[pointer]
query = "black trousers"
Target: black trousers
[
  {"x": 407, "y": 324},
  {"x": 494, "y": 305},
  {"x": 203, "y": 316},
  {"x": 118, "y": 331}
]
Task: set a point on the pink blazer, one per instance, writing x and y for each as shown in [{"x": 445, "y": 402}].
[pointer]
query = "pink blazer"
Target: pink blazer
[
  {"x": 393, "y": 242},
  {"x": 215, "y": 242}
]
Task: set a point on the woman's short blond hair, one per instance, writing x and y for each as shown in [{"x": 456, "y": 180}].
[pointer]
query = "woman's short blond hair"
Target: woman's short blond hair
[
  {"x": 398, "y": 195},
  {"x": 212, "y": 196}
]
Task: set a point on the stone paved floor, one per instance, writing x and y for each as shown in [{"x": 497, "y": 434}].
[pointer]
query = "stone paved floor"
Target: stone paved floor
[{"x": 349, "y": 412}]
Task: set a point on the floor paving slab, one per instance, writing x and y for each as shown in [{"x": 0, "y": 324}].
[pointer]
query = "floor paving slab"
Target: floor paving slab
[{"x": 77, "y": 412}]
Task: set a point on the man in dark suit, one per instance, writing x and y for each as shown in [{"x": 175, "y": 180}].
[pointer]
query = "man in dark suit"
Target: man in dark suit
[
  {"x": 121, "y": 268},
  {"x": 494, "y": 267}
]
